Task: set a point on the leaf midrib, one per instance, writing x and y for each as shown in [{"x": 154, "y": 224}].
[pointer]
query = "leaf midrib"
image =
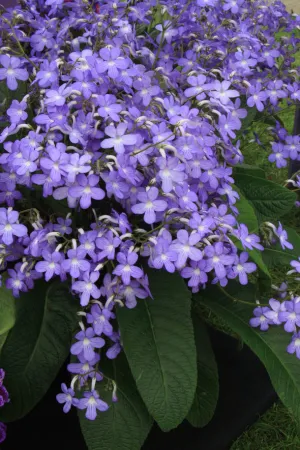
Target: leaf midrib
[
  {"x": 158, "y": 356},
  {"x": 39, "y": 334}
]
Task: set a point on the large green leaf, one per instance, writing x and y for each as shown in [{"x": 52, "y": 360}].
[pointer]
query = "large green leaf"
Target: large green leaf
[
  {"x": 246, "y": 213},
  {"x": 127, "y": 422},
  {"x": 37, "y": 345},
  {"x": 270, "y": 346},
  {"x": 248, "y": 169},
  {"x": 7, "y": 313},
  {"x": 269, "y": 199},
  {"x": 159, "y": 344},
  {"x": 207, "y": 391},
  {"x": 276, "y": 255}
]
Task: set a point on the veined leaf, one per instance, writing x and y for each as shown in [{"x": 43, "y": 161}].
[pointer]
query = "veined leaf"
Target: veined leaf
[
  {"x": 127, "y": 422},
  {"x": 270, "y": 346},
  {"x": 158, "y": 340},
  {"x": 37, "y": 345}
]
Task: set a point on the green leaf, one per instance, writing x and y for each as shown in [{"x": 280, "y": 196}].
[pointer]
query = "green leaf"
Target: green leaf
[
  {"x": 246, "y": 213},
  {"x": 37, "y": 345},
  {"x": 248, "y": 217},
  {"x": 7, "y": 313},
  {"x": 127, "y": 422},
  {"x": 247, "y": 169},
  {"x": 269, "y": 199},
  {"x": 270, "y": 346},
  {"x": 207, "y": 391},
  {"x": 277, "y": 255},
  {"x": 158, "y": 340}
]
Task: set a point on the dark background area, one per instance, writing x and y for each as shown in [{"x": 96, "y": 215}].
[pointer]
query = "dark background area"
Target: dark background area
[{"x": 245, "y": 392}]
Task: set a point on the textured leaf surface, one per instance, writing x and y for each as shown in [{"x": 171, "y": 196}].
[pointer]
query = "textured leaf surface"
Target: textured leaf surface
[
  {"x": 207, "y": 391},
  {"x": 37, "y": 345},
  {"x": 270, "y": 346},
  {"x": 277, "y": 255},
  {"x": 269, "y": 199},
  {"x": 159, "y": 344},
  {"x": 246, "y": 213},
  {"x": 127, "y": 423},
  {"x": 248, "y": 169},
  {"x": 7, "y": 313}
]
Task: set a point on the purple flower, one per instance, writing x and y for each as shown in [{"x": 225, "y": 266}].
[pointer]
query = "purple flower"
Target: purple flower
[
  {"x": 99, "y": 318},
  {"x": 63, "y": 226},
  {"x": 149, "y": 205},
  {"x": 87, "y": 287},
  {"x": 77, "y": 164},
  {"x": 55, "y": 161},
  {"x": 111, "y": 62},
  {"x": 57, "y": 97},
  {"x": 203, "y": 226},
  {"x": 282, "y": 235},
  {"x": 279, "y": 155},
  {"x": 50, "y": 265},
  {"x": 92, "y": 402},
  {"x": 115, "y": 349},
  {"x": 232, "y": 5},
  {"x": 241, "y": 267},
  {"x": 196, "y": 273},
  {"x": 11, "y": 71},
  {"x": 260, "y": 319},
  {"x": 272, "y": 314},
  {"x": 296, "y": 265},
  {"x": 86, "y": 190},
  {"x": 292, "y": 146},
  {"x": 117, "y": 138},
  {"x": 257, "y": 97},
  {"x": 245, "y": 62},
  {"x": 291, "y": 316},
  {"x": 294, "y": 346},
  {"x": 133, "y": 291},
  {"x": 48, "y": 74},
  {"x": 109, "y": 107},
  {"x": 126, "y": 269},
  {"x": 185, "y": 247},
  {"x": 86, "y": 344},
  {"x": 171, "y": 172},
  {"x": 275, "y": 91},
  {"x": 198, "y": 85},
  {"x": 269, "y": 55},
  {"x": 163, "y": 256},
  {"x": 248, "y": 240},
  {"x": 107, "y": 245},
  {"x": 218, "y": 259},
  {"x": 222, "y": 92},
  {"x": 67, "y": 397},
  {"x": 145, "y": 91},
  {"x": 16, "y": 111},
  {"x": 76, "y": 262},
  {"x": 9, "y": 227},
  {"x": 85, "y": 369}
]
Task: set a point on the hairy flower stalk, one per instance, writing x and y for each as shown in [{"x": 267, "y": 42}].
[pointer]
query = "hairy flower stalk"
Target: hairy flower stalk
[{"x": 130, "y": 125}]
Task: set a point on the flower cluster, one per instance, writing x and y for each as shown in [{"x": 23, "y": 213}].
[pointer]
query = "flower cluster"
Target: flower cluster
[
  {"x": 282, "y": 310},
  {"x": 4, "y": 398},
  {"x": 130, "y": 119}
]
